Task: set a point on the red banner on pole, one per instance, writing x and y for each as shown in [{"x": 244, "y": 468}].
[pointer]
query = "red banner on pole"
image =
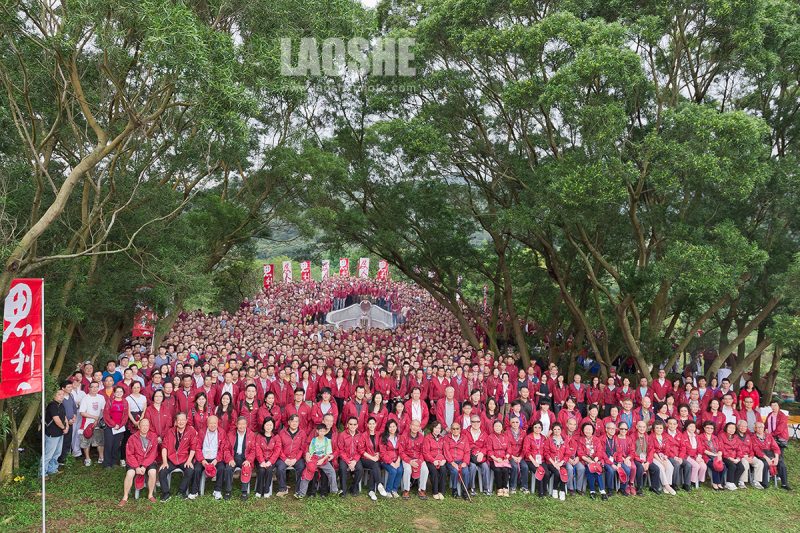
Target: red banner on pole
[
  {"x": 287, "y": 271},
  {"x": 23, "y": 338},
  {"x": 269, "y": 275},
  {"x": 344, "y": 267},
  {"x": 363, "y": 267},
  {"x": 305, "y": 270},
  {"x": 326, "y": 270},
  {"x": 144, "y": 322},
  {"x": 383, "y": 270}
]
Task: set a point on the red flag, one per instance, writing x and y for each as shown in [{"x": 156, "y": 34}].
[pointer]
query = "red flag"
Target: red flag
[
  {"x": 144, "y": 322},
  {"x": 287, "y": 271},
  {"x": 326, "y": 269},
  {"x": 23, "y": 339},
  {"x": 363, "y": 267},
  {"x": 344, "y": 267},
  {"x": 269, "y": 275},
  {"x": 383, "y": 270},
  {"x": 305, "y": 270}
]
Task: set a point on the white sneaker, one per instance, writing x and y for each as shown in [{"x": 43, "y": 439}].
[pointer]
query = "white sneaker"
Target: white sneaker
[
  {"x": 562, "y": 495},
  {"x": 258, "y": 495},
  {"x": 192, "y": 496},
  {"x": 122, "y": 463},
  {"x": 381, "y": 490},
  {"x": 100, "y": 461},
  {"x": 87, "y": 462},
  {"x": 372, "y": 496},
  {"x": 555, "y": 494},
  {"x": 730, "y": 486},
  {"x": 757, "y": 485},
  {"x": 217, "y": 495}
]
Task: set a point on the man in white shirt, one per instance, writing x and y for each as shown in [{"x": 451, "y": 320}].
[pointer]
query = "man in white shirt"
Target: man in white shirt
[{"x": 91, "y": 410}]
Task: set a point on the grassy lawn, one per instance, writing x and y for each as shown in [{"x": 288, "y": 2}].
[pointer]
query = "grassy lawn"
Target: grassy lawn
[{"x": 84, "y": 499}]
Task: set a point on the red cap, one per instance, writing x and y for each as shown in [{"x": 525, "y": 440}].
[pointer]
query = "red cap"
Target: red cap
[
  {"x": 623, "y": 477},
  {"x": 595, "y": 467},
  {"x": 246, "y": 472},
  {"x": 773, "y": 470},
  {"x": 540, "y": 473},
  {"x": 563, "y": 473},
  {"x": 87, "y": 431},
  {"x": 138, "y": 481},
  {"x": 211, "y": 470},
  {"x": 719, "y": 466}
]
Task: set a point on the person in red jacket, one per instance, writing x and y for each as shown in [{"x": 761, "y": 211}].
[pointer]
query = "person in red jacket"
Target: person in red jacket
[
  {"x": 557, "y": 454},
  {"x": 389, "y": 449},
  {"x": 712, "y": 453},
  {"x": 357, "y": 408},
  {"x": 456, "y": 452},
  {"x": 141, "y": 453},
  {"x": 411, "y": 444},
  {"x": 447, "y": 410},
  {"x": 768, "y": 451},
  {"x": 268, "y": 450},
  {"x": 349, "y": 451},
  {"x": 240, "y": 453},
  {"x": 433, "y": 453},
  {"x": 660, "y": 446},
  {"x": 115, "y": 415},
  {"x": 479, "y": 460},
  {"x": 299, "y": 408},
  {"x": 642, "y": 454},
  {"x": 199, "y": 412},
  {"x": 519, "y": 467},
  {"x": 324, "y": 406},
  {"x": 293, "y": 448},
  {"x": 371, "y": 456},
  {"x": 377, "y": 410},
  {"x": 731, "y": 448},
  {"x": 270, "y": 409},
  {"x": 497, "y": 452},
  {"x": 177, "y": 453},
  {"x": 535, "y": 453},
  {"x": 209, "y": 451},
  {"x": 591, "y": 451},
  {"x": 750, "y": 460},
  {"x": 777, "y": 424}
]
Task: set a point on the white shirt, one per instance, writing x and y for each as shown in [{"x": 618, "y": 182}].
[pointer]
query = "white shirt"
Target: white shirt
[
  {"x": 138, "y": 403},
  {"x": 545, "y": 425},
  {"x": 92, "y": 405},
  {"x": 210, "y": 446},
  {"x": 416, "y": 411}
]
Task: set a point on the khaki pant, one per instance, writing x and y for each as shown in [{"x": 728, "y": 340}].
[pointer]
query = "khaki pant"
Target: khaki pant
[{"x": 756, "y": 466}]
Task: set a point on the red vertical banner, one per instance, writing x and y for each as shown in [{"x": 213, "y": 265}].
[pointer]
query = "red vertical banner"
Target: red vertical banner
[
  {"x": 287, "y": 271},
  {"x": 485, "y": 298},
  {"x": 269, "y": 275},
  {"x": 144, "y": 322},
  {"x": 326, "y": 270},
  {"x": 383, "y": 270},
  {"x": 363, "y": 267},
  {"x": 23, "y": 338},
  {"x": 305, "y": 270},
  {"x": 344, "y": 267}
]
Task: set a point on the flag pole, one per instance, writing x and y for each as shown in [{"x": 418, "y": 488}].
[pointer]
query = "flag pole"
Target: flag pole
[{"x": 44, "y": 501}]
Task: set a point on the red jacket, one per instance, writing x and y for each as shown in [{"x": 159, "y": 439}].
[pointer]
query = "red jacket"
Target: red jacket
[
  {"x": 594, "y": 396},
  {"x": 268, "y": 451},
  {"x": 781, "y": 423},
  {"x": 440, "y": 411},
  {"x": 660, "y": 447},
  {"x": 718, "y": 419},
  {"x": 436, "y": 388},
  {"x": 532, "y": 447},
  {"x": 349, "y": 411},
  {"x": 183, "y": 401},
  {"x": 599, "y": 451},
  {"x": 125, "y": 410},
  {"x": 160, "y": 421},
  {"x": 649, "y": 452},
  {"x": 389, "y": 452},
  {"x": 578, "y": 394},
  {"x": 497, "y": 446},
  {"x": 424, "y": 410},
  {"x": 250, "y": 413},
  {"x": 342, "y": 391},
  {"x": 366, "y": 446},
  {"x": 317, "y": 414},
  {"x": 249, "y": 446},
  {"x": 638, "y": 395},
  {"x": 686, "y": 448},
  {"x": 433, "y": 448},
  {"x": 461, "y": 389},
  {"x": 293, "y": 446},
  {"x": 624, "y": 450},
  {"x": 197, "y": 419},
  {"x": 456, "y": 451},
  {"x": 624, "y": 395},
  {"x": 178, "y": 451},
  {"x": 284, "y": 394},
  {"x": 732, "y": 448},
  {"x": 660, "y": 391},
  {"x": 566, "y": 414},
  {"x": 559, "y": 453},
  {"x": 412, "y": 448},
  {"x": 274, "y": 412},
  {"x": 423, "y": 387},
  {"x": 380, "y": 418},
  {"x": 349, "y": 446},
  {"x": 304, "y": 412},
  {"x": 768, "y": 443},
  {"x": 401, "y": 421},
  {"x": 211, "y": 395},
  {"x": 610, "y": 396},
  {"x": 137, "y": 455},
  {"x": 516, "y": 443},
  {"x": 709, "y": 445},
  {"x": 222, "y": 444},
  {"x": 478, "y": 445},
  {"x": 743, "y": 393}
]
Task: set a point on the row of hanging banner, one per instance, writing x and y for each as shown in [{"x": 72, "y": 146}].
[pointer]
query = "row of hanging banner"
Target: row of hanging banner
[{"x": 325, "y": 272}]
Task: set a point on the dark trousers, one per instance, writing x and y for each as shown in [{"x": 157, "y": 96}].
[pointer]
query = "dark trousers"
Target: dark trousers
[
  {"x": 681, "y": 473},
  {"x": 66, "y": 448},
  {"x": 556, "y": 475},
  {"x": 228, "y": 475},
  {"x": 501, "y": 476},
  {"x": 652, "y": 470},
  {"x": 345, "y": 472},
  {"x": 733, "y": 471},
  {"x": 541, "y": 486},
  {"x": 163, "y": 477},
  {"x": 113, "y": 445},
  {"x": 436, "y": 475},
  {"x": 374, "y": 468},
  {"x": 200, "y": 472},
  {"x": 264, "y": 479},
  {"x": 281, "y": 467},
  {"x": 781, "y": 469}
]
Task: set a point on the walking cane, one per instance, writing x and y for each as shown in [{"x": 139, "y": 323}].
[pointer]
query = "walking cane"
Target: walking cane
[{"x": 464, "y": 486}]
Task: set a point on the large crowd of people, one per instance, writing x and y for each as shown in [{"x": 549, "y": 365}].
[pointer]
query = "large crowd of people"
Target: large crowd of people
[{"x": 272, "y": 389}]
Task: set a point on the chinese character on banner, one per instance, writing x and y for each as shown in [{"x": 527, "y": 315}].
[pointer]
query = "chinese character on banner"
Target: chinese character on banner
[
  {"x": 344, "y": 267},
  {"x": 485, "y": 298},
  {"x": 305, "y": 270},
  {"x": 287, "y": 271},
  {"x": 144, "y": 322},
  {"x": 23, "y": 339},
  {"x": 383, "y": 270},
  {"x": 363, "y": 267},
  {"x": 269, "y": 275},
  {"x": 326, "y": 269}
]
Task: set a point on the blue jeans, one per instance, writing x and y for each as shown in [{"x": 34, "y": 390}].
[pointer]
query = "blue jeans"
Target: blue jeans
[
  {"x": 467, "y": 474},
  {"x": 519, "y": 474},
  {"x": 611, "y": 475},
  {"x": 52, "y": 449},
  {"x": 576, "y": 476},
  {"x": 593, "y": 479},
  {"x": 395, "y": 476}
]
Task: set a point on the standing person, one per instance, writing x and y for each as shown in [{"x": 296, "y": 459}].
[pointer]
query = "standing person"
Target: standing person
[
  {"x": 414, "y": 466},
  {"x": 77, "y": 395},
  {"x": 390, "y": 458},
  {"x": 777, "y": 424},
  {"x": 70, "y": 417},
  {"x": 142, "y": 455},
  {"x": 115, "y": 415},
  {"x": 433, "y": 453},
  {"x": 55, "y": 427},
  {"x": 348, "y": 446},
  {"x": 177, "y": 453},
  {"x": 91, "y": 410},
  {"x": 318, "y": 457},
  {"x": 268, "y": 450}
]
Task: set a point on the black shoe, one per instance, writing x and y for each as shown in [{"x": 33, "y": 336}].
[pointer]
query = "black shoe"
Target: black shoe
[
  {"x": 244, "y": 496},
  {"x": 342, "y": 494},
  {"x": 592, "y": 495},
  {"x": 604, "y": 497},
  {"x": 184, "y": 496},
  {"x": 580, "y": 493},
  {"x": 464, "y": 495},
  {"x": 639, "y": 492},
  {"x": 786, "y": 487},
  {"x": 165, "y": 498},
  {"x": 455, "y": 493},
  {"x": 687, "y": 488},
  {"x": 226, "y": 496}
]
